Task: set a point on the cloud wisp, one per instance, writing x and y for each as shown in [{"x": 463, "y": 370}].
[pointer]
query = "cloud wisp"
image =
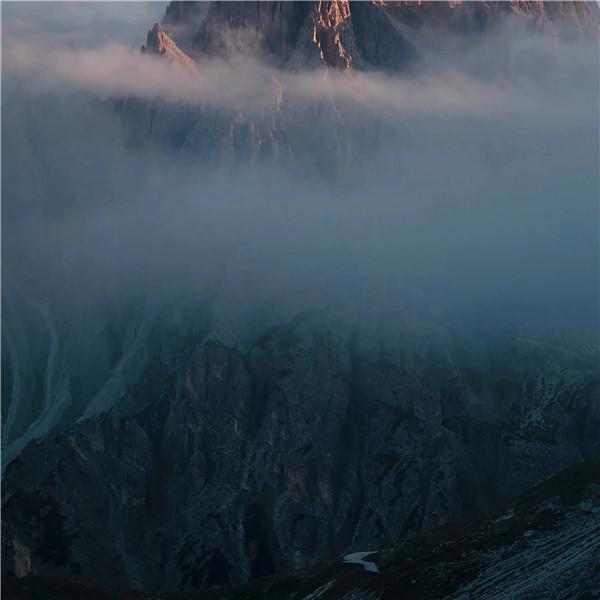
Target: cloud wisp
[{"x": 488, "y": 194}]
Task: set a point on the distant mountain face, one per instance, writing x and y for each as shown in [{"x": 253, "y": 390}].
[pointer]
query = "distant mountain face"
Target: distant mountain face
[
  {"x": 370, "y": 37},
  {"x": 307, "y": 446},
  {"x": 167, "y": 447},
  {"x": 342, "y": 34}
]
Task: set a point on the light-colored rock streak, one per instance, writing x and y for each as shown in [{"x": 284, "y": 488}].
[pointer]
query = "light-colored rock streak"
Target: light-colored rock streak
[
  {"x": 15, "y": 393},
  {"x": 127, "y": 370},
  {"x": 52, "y": 347},
  {"x": 55, "y": 400},
  {"x": 50, "y": 418}
]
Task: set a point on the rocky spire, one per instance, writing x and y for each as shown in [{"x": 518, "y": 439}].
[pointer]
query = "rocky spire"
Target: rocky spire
[
  {"x": 302, "y": 34},
  {"x": 332, "y": 33},
  {"x": 341, "y": 34},
  {"x": 158, "y": 42}
]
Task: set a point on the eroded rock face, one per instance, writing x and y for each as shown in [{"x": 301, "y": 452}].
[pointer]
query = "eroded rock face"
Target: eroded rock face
[
  {"x": 182, "y": 20},
  {"x": 302, "y": 448},
  {"x": 158, "y": 42},
  {"x": 343, "y": 34},
  {"x": 332, "y": 33},
  {"x": 269, "y": 30},
  {"x": 389, "y": 37},
  {"x": 544, "y": 544}
]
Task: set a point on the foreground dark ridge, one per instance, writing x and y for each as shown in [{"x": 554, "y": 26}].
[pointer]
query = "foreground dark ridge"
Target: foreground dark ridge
[
  {"x": 226, "y": 477},
  {"x": 544, "y": 544}
]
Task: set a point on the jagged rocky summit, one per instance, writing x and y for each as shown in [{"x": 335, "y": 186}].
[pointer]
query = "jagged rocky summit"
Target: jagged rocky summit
[
  {"x": 379, "y": 34},
  {"x": 290, "y": 37}
]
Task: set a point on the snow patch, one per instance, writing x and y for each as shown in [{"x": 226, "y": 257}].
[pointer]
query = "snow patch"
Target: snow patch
[{"x": 357, "y": 558}]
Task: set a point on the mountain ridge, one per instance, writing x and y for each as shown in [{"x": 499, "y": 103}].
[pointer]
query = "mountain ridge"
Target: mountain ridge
[
  {"x": 347, "y": 35},
  {"x": 224, "y": 477},
  {"x": 339, "y": 38}
]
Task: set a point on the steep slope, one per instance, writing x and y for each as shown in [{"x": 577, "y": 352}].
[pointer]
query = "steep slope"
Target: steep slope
[
  {"x": 158, "y": 42},
  {"x": 182, "y": 20},
  {"x": 544, "y": 544},
  {"x": 337, "y": 34},
  {"x": 271, "y": 30},
  {"x": 372, "y": 35},
  {"x": 300, "y": 450}
]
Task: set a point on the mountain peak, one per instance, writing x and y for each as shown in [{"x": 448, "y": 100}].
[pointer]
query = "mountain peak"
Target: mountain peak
[
  {"x": 380, "y": 34},
  {"x": 337, "y": 33},
  {"x": 158, "y": 42}
]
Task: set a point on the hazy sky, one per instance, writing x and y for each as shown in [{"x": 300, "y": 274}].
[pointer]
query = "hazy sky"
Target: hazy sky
[{"x": 83, "y": 23}]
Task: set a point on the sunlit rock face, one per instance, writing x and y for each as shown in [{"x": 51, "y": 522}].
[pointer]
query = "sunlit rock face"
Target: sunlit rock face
[
  {"x": 392, "y": 38},
  {"x": 363, "y": 35},
  {"x": 299, "y": 34},
  {"x": 160, "y": 43}
]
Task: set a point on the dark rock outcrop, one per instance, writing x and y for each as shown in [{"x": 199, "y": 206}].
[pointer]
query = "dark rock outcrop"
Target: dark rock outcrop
[
  {"x": 544, "y": 544},
  {"x": 305, "y": 447},
  {"x": 371, "y": 35},
  {"x": 270, "y": 30},
  {"x": 389, "y": 37},
  {"x": 304, "y": 34}
]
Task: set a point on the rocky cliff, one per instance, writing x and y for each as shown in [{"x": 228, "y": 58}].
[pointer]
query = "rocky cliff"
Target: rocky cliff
[
  {"x": 544, "y": 544},
  {"x": 382, "y": 37},
  {"x": 303, "y": 448},
  {"x": 154, "y": 445},
  {"x": 368, "y": 35},
  {"x": 158, "y": 42}
]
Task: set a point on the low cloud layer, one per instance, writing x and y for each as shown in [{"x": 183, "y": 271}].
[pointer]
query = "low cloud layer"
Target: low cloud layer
[
  {"x": 483, "y": 205},
  {"x": 504, "y": 76},
  {"x": 115, "y": 69}
]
